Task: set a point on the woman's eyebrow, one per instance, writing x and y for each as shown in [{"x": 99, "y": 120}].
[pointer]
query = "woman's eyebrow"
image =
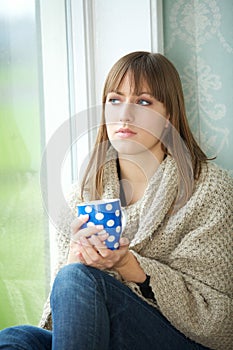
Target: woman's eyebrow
[{"x": 116, "y": 92}]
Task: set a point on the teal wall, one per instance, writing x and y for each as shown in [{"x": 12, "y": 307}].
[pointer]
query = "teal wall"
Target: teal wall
[{"x": 198, "y": 38}]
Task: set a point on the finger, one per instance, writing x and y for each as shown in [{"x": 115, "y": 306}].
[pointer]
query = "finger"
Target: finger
[
  {"x": 89, "y": 254},
  {"x": 78, "y": 222},
  {"x": 98, "y": 241},
  {"x": 105, "y": 252},
  {"x": 89, "y": 231},
  {"x": 86, "y": 232},
  {"x": 95, "y": 239},
  {"x": 98, "y": 238},
  {"x": 101, "y": 247},
  {"x": 84, "y": 242},
  {"x": 124, "y": 242},
  {"x": 102, "y": 235}
]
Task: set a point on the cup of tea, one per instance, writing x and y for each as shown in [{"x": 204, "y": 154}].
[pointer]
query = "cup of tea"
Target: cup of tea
[{"x": 106, "y": 212}]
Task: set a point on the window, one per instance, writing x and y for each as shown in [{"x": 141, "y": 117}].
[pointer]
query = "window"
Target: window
[
  {"x": 81, "y": 40},
  {"x": 24, "y": 272},
  {"x": 54, "y": 58}
]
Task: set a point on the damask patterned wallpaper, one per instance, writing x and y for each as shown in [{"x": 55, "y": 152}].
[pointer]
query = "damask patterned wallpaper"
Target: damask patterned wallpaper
[{"x": 198, "y": 39}]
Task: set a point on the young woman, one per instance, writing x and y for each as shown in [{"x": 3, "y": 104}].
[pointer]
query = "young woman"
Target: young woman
[{"x": 169, "y": 285}]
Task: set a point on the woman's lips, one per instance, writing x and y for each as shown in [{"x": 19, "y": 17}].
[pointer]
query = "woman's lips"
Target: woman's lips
[{"x": 124, "y": 133}]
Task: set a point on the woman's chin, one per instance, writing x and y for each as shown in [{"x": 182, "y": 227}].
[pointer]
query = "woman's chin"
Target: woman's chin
[{"x": 129, "y": 147}]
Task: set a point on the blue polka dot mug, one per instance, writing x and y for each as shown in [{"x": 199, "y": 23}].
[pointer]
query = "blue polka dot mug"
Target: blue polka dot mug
[{"x": 106, "y": 212}]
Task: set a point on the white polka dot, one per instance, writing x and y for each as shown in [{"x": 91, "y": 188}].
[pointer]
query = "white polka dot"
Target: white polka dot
[
  {"x": 110, "y": 223},
  {"x": 88, "y": 209},
  {"x": 118, "y": 229},
  {"x": 99, "y": 216},
  {"x": 109, "y": 206},
  {"x": 89, "y": 224},
  {"x": 111, "y": 239},
  {"x": 117, "y": 212},
  {"x": 116, "y": 245}
]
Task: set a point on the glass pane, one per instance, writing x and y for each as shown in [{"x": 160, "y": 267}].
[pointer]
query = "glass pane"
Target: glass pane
[{"x": 22, "y": 225}]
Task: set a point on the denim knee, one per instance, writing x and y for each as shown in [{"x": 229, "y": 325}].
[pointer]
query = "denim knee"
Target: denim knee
[
  {"x": 81, "y": 271},
  {"x": 70, "y": 277},
  {"x": 25, "y": 337},
  {"x": 6, "y": 338},
  {"x": 71, "y": 272}
]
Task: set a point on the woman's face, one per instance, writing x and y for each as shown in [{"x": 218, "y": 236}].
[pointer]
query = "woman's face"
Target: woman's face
[{"x": 134, "y": 123}]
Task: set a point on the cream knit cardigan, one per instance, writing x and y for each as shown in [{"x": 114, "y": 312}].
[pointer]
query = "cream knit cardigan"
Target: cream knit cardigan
[{"x": 189, "y": 255}]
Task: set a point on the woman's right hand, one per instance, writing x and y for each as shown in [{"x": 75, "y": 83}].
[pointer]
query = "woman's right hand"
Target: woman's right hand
[{"x": 77, "y": 232}]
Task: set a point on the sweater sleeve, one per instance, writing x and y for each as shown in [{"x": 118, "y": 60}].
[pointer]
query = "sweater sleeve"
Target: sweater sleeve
[
  {"x": 193, "y": 282},
  {"x": 194, "y": 288}
]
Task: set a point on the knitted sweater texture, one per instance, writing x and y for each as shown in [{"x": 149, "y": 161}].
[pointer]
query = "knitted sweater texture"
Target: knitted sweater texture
[{"x": 188, "y": 254}]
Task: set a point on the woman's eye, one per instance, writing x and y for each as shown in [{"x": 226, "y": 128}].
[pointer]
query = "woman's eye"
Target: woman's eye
[
  {"x": 144, "y": 102},
  {"x": 114, "y": 101}
]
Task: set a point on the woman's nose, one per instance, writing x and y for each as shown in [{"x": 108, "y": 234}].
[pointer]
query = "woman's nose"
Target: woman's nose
[{"x": 126, "y": 114}]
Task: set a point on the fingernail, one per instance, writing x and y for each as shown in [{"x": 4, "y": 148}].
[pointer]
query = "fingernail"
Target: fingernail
[
  {"x": 99, "y": 226},
  {"x": 102, "y": 233}
]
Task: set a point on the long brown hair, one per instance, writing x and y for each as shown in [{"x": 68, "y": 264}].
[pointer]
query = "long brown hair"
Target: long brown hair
[{"x": 164, "y": 83}]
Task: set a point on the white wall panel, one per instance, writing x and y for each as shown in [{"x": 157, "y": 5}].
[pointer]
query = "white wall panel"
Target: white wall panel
[{"x": 120, "y": 27}]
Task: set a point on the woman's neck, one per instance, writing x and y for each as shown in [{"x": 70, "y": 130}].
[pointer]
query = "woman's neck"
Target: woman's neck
[{"x": 136, "y": 172}]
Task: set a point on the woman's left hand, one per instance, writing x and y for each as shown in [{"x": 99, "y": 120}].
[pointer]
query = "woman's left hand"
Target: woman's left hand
[{"x": 93, "y": 252}]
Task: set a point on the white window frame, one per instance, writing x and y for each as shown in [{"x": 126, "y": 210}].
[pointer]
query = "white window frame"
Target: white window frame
[{"x": 73, "y": 73}]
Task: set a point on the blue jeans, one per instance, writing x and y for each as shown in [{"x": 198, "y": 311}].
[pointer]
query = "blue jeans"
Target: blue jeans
[{"x": 93, "y": 311}]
